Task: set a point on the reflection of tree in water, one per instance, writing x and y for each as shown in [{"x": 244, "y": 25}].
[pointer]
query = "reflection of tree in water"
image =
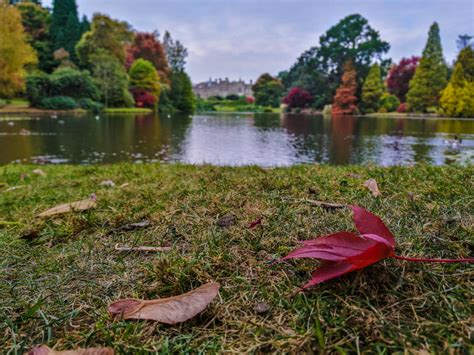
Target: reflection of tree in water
[{"x": 309, "y": 133}]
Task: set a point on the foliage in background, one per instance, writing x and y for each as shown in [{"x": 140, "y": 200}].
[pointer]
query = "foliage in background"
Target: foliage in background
[
  {"x": 345, "y": 100},
  {"x": 65, "y": 26},
  {"x": 181, "y": 93},
  {"x": 106, "y": 34},
  {"x": 319, "y": 70},
  {"x": 146, "y": 45},
  {"x": 144, "y": 79},
  {"x": 298, "y": 98},
  {"x": 457, "y": 99},
  {"x": 400, "y": 75},
  {"x": 112, "y": 80},
  {"x": 372, "y": 90},
  {"x": 431, "y": 75},
  {"x": 15, "y": 53},
  {"x": 175, "y": 52},
  {"x": 389, "y": 103},
  {"x": 268, "y": 91},
  {"x": 36, "y": 22}
]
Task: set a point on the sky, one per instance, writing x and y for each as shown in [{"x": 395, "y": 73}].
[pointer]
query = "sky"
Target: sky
[{"x": 245, "y": 38}]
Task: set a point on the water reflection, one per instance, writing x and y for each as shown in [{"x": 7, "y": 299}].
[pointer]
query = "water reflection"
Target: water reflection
[{"x": 232, "y": 139}]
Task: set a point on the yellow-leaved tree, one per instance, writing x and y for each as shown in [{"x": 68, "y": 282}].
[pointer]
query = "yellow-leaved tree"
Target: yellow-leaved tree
[{"x": 15, "y": 52}]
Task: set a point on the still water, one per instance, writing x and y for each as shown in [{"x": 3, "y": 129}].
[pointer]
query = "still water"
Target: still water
[{"x": 233, "y": 139}]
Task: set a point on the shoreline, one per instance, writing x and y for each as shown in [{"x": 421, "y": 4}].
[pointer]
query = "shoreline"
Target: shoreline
[{"x": 36, "y": 111}]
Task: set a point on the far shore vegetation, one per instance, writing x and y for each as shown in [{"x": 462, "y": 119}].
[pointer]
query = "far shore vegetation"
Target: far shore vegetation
[{"x": 59, "y": 61}]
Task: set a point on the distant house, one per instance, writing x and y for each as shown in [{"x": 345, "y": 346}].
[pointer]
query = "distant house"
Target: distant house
[{"x": 222, "y": 88}]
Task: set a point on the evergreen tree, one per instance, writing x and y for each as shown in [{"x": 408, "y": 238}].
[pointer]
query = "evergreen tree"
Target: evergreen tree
[
  {"x": 65, "y": 26},
  {"x": 430, "y": 76},
  {"x": 372, "y": 90},
  {"x": 85, "y": 25},
  {"x": 345, "y": 100},
  {"x": 181, "y": 93},
  {"x": 458, "y": 97}
]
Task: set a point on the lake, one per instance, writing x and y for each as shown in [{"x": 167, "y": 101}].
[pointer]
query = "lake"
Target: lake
[{"x": 233, "y": 139}]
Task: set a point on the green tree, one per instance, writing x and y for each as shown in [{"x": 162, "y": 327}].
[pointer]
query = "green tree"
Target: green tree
[
  {"x": 457, "y": 99},
  {"x": 15, "y": 52},
  {"x": 175, "y": 52},
  {"x": 268, "y": 91},
  {"x": 430, "y": 76},
  {"x": 105, "y": 34},
  {"x": 181, "y": 92},
  {"x": 372, "y": 90},
  {"x": 65, "y": 26},
  {"x": 111, "y": 79},
  {"x": 36, "y": 22},
  {"x": 143, "y": 76}
]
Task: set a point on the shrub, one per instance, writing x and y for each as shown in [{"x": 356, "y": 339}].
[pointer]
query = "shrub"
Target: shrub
[
  {"x": 38, "y": 87},
  {"x": 3, "y": 103},
  {"x": 389, "y": 102},
  {"x": 298, "y": 97},
  {"x": 232, "y": 97},
  {"x": 144, "y": 98},
  {"x": 402, "y": 108},
  {"x": 73, "y": 83},
  {"x": 90, "y": 105},
  {"x": 267, "y": 110},
  {"x": 250, "y": 100},
  {"x": 58, "y": 103},
  {"x": 382, "y": 110},
  {"x": 327, "y": 110}
]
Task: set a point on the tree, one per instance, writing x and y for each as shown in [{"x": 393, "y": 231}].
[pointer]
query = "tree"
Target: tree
[
  {"x": 111, "y": 79},
  {"x": 65, "y": 26},
  {"x": 268, "y": 91},
  {"x": 36, "y": 21},
  {"x": 147, "y": 46},
  {"x": 105, "y": 34},
  {"x": 175, "y": 52},
  {"x": 319, "y": 69},
  {"x": 144, "y": 78},
  {"x": 15, "y": 53},
  {"x": 298, "y": 98},
  {"x": 345, "y": 101},
  {"x": 457, "y": 99},
  {"x": 430, "y": 76},
  {"x": 464, "y": 41},
  {"x": 372, "y": 90},
  {"x": 181, "y": 93},
  {"x": 400, "y": 75},
  {"x": 85, "y": 25}
]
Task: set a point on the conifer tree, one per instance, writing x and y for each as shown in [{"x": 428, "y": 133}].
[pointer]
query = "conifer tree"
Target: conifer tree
[
  {"x": 430, "y": 76},
  {"x": 345, "y": 101},
  {"x": 65, "y": 26},
  {"x": 458, "y": 97},
  {"x": 372, "y": 90}
]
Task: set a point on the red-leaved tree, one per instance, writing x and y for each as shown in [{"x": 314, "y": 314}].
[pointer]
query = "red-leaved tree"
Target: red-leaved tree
[
  {"x": 345, "y": 100},
  {"x": 147, "y": 46},
  {"x": 250, "y": 100},
  {"x": 144, "y": 98},
  {"x": 399, "y": 77},
  {"x": 298, "y": 97}
]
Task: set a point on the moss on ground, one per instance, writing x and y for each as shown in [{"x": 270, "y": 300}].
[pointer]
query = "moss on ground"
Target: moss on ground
[{"x": 55, "y": 287}]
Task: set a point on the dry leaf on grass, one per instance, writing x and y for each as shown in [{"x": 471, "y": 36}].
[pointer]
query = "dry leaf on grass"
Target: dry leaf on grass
[
  {"x": 226, "y": 221},
  {"x": 142, "y": 249},
  {"x": 371, "y": 184},
  {"x": 70, "y": 207},
  {"x": 39, "y": 172},
  {"x": 107, "y": 183},
  {"x": 170, "y": 310},
  {"x": 44, "y": 350},
  {"x": 325, "y": 204}
]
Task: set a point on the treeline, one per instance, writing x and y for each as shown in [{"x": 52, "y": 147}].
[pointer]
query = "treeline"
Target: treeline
[
  {"x": 61, "y": 61},
  {"x": 348, "y": 74}
]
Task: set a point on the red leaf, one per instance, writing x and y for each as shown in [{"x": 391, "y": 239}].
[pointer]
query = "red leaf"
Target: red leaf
[
  {"x": 368, "y": 223},
  {"x": 344, "y": 252},
  {"x": 256, "y": 223}
]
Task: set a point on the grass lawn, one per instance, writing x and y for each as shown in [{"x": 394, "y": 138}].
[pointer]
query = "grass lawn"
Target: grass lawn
[
  {"x": 128, "y": 110},
  {"x": 55, "y": 287}
]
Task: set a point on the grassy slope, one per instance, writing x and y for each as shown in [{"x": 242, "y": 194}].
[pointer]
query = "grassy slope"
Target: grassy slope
[{"x": 56, "y": 289}]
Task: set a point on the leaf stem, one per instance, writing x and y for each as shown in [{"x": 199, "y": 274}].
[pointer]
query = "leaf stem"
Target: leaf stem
[{"x": 468, "y": 260}]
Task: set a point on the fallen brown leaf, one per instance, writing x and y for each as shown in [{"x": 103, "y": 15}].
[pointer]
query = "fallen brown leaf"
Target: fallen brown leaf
[
  {"x": 371, "y": 184},
  {"x": 226, "y": 221},
  {"x": 142, "y": 249},
  {"x": 325, "y": 204},
  {"x": 170, "y": 310},
  {"x": 70, "y": 207},
  {"x": 44, "y": 350}
]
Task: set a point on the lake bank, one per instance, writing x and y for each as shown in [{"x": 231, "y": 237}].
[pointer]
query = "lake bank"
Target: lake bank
[{"x": 57, "y": 281}]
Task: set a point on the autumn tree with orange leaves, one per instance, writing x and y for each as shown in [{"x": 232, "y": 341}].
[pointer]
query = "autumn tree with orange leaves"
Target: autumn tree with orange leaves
[{"x": 345, "y": 101}]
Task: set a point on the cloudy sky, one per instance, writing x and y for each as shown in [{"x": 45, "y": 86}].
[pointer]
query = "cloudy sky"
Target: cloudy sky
[{"x": 244, "y": 38}]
